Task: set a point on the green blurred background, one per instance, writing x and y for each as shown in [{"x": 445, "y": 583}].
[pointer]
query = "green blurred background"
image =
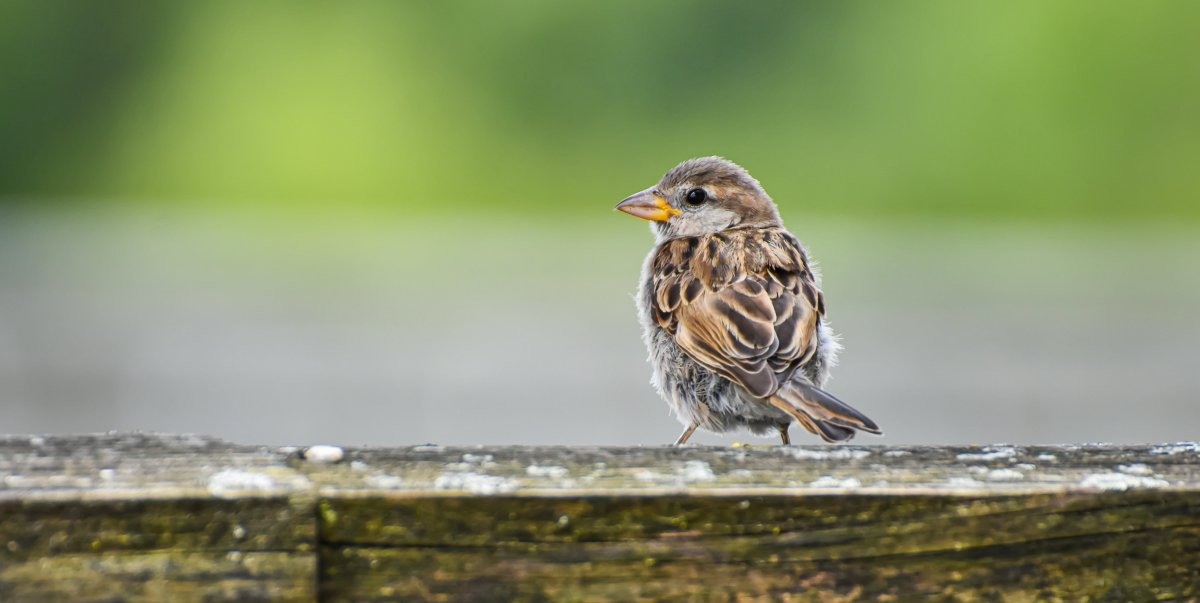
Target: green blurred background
[{"x": 390, "y": 222}]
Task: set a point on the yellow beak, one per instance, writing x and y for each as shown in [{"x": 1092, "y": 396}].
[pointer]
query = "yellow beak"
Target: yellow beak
[{"x": 647, "y": 205}]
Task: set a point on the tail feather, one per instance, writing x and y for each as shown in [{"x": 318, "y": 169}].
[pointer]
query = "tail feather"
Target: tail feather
[{"x": 821, "y": 413}]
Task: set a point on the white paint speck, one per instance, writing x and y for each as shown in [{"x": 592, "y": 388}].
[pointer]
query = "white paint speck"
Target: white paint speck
[
  {"x": 895, "y": 453},
  {"x": 232, "y": 482},
  {"x": 993, "y": 455},
  {"x": 1049, "y": 458},
  {"x": 1026, "y": 467},
  {"x": 38, "y": 441},
  {"x": 551, "y": 471},
  {"x": 358, "y": 466},
  {"x": 239, "y": 532},
  {"x": 828, "y": 481},
  {"x": 475, "y": 483},
  {"x": 107, "y": 475},
  {"x": 322, "y": 453},
  {"x": 1120, "y": 481}
]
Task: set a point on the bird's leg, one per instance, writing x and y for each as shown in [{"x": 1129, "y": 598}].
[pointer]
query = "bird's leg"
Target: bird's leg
[
  {"x": 783, "y": 434},
  {"x": 687, "y": 433}
]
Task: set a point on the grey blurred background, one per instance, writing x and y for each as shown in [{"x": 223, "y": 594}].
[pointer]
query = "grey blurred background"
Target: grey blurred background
[{"x": 391, "y": 223}]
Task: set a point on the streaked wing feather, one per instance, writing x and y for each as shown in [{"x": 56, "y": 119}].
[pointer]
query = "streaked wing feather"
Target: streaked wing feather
[{"x": 743, "y": 304}]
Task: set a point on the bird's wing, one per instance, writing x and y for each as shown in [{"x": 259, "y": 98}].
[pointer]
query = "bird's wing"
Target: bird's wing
[{"x": 741, "y": 303}]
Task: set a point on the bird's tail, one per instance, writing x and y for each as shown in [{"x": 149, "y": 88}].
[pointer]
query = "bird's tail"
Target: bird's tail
[{"x": 821, "y": 413}]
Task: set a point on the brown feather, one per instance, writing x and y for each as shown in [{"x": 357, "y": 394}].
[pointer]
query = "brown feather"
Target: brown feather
[
  {"x": 828, "y": 417},
  {"x": 745, "y": 306}
]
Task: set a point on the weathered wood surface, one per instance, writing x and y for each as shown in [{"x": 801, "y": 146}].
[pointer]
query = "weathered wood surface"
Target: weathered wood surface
[{"x": 180, "y": 518}]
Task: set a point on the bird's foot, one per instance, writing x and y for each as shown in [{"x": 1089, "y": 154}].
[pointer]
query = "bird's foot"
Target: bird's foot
[{"x": 687, "y": 433}]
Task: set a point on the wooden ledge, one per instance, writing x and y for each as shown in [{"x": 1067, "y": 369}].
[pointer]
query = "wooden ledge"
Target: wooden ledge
[{"x": 144, "y": 517}]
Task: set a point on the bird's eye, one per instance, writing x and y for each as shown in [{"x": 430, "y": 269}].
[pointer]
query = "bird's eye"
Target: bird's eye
[{"x": 696, "y": 196}]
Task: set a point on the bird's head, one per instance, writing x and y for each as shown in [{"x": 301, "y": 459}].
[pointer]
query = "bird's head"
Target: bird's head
[{"x": 703, "y": 196}]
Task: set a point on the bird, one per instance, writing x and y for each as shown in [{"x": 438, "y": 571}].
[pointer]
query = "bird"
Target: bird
[{"x": 731, "y": 309}]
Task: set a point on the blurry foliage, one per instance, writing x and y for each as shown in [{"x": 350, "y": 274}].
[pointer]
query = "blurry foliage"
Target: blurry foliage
[{"x": 1022, "y": 109}]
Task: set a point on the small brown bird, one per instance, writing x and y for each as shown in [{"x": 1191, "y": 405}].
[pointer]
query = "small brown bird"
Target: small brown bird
[{"x": 731, "y": 310}]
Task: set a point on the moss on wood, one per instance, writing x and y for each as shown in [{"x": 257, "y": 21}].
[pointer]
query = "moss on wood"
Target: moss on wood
[
  {"x": 1128, "y": 566},
  {"x": 174, "y": 576}
]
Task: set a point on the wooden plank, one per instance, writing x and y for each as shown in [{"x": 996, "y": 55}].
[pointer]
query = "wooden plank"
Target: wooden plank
[
  {"x": 772, "y": 523},
  {"x": 128, "y": 517},
  {"x": 166, "y": 575},
  {"x": 134, "y": 517},
  {"x": 742, "y": 470}
]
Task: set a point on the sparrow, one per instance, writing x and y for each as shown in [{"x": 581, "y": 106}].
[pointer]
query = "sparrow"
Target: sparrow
[{"x": 731, "y": 309}]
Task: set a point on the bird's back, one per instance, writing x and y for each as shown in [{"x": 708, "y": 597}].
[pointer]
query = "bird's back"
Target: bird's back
[{"x": 742, "y": 303}]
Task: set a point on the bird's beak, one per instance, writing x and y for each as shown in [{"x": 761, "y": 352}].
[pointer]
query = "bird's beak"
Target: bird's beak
[{"x": 648, "y": 205}]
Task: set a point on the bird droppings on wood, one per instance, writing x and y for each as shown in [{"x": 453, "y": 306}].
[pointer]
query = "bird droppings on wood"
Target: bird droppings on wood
[
  {"x": 235, "y": 482},
  {"x": 1177, "y": 448},
  {"x": 825, "y": 454},
  {"x": 767, "y": 523},
  {"x": 990, "y": 455},
  {"x": 696, "y": 471},
  {"x": 827, "y": 482},
  {"x": 1001, "y": 475},
  {"x": 1120, "y": 481},
  {"x": 322, "y": 453},
  {"x": 1135, "y": 469},
  {"x": 475, "y": 483},
  {"x": 551, "y": 471},
  {"x": 964, "y": 483}
]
